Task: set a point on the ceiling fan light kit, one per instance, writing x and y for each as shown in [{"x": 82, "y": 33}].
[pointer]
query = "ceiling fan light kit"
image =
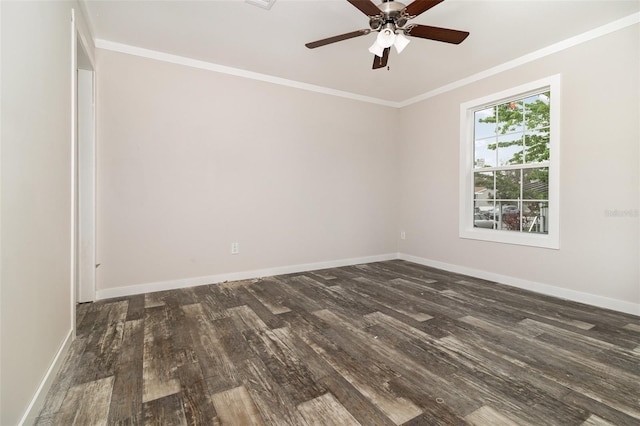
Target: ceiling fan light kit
[
  {"x": 387, "y": 38},
  {"x": 389, "y": 19}
]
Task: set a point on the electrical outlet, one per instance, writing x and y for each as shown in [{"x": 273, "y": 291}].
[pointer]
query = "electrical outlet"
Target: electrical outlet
[
  {"x": 403, "y": 235},
  {"x": 235, "y": 248}
]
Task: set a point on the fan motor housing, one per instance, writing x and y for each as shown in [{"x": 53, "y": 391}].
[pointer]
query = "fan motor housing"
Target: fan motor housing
[
  {"x": 392, "y": 12},
  {"x": 391, "y": 8}
]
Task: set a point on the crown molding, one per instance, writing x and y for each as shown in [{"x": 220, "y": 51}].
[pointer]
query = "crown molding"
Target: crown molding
[
  {"x": 238, "y": 72},
  {"x": 530, "y": 57}
]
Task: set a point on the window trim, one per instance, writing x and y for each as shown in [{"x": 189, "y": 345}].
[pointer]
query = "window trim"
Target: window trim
[{"x": 466, "y": 209}]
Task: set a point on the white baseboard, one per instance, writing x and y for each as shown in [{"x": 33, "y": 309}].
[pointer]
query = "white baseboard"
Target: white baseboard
[
  {"x": 549, "y": 290},
  {"x": 37, "y": 402},
  {"x": 563, "y": 293},
  {"x": 109, "y": 293}
]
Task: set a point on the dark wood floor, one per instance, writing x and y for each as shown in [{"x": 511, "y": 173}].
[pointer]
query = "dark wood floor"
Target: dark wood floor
[{"x": 378, "y": 344}]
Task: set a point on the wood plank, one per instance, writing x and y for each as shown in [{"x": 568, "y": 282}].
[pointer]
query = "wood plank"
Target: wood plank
[
  {"x": 289, "y": 288},
  {"x": 412, "y": 306},
  {"x": 546, "y": 360},
  {"x": 153, "y": 300},
  {"x": 413, "y": 374},
  {"x": 597, "y": 408},
  {"x": 104, "y": 342},
  {"x": 369, "y": 381},
  {"x": 324, "y": 274},
  {"x": 324, "y": 410},
  {"x": 235, "y": 407},
  {"x": 163, "y": 411},
  {"x": 271, "y": 400},
  {"x": 87, "y": 403},
  {"x": 486, "y": 415},
  {"x": 65, "y": 378},
  {"x": 260, "y": 291},
  {"x": 194, "y": 394},
  {"x": 333, "y": 297},
  {"x": 86, "y": 323},
  {"x": 126, "y": 402},
  {"x": 273, "y": 349},
  {"x": 158, "y": 365},
  {"x": 209, "y": 297},
  {"x": 135, "y": 310},
  {"x": 594, "y": 420},
  {"x": 81, "y": 310},
  {"x": 360, "y": 407},
  {"x": 267, "y": 316},
  {"x": 632, "y": 327},
  {"x": 217, "y": 366}
]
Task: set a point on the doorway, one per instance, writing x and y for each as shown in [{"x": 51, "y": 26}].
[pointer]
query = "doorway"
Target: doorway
[{"x": 85, "y": 177}]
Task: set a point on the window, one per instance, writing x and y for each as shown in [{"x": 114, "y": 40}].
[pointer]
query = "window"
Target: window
[{"x": 508, "y": 166}]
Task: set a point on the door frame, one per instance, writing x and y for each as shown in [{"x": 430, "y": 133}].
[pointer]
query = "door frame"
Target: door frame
[{"x": 83, "y": 173}]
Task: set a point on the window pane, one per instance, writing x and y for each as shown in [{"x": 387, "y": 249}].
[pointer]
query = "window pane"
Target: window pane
[
  {"x": 484, "y": 203},
  {"x": 535, "y": 217},
  {"x": 485, "y": 207},
  {"x": 536, "y": 146},
  {"x": 484, "y": 218},
  {"x": 510, "y": 117},
  {"x": 509, "y": 218},
  {"x": 510, "y": 149},
  {"x": 535, "y": 184},
  {"x": 483, "y": 185},
  {"x": 508, "y": 185},
  {"x": 485, "y": 123},
  {"x": 485, "y": 153},
  {"x": 536, "y": 111}
]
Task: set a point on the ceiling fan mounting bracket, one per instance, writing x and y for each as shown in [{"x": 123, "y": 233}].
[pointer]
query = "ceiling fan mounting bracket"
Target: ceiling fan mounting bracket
[
  {"x": 391, "y": 12},
  {"x": 391, "y": 8}
]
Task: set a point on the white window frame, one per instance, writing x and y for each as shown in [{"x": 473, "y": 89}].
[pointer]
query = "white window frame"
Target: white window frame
[{"x": 467, "y": 109}]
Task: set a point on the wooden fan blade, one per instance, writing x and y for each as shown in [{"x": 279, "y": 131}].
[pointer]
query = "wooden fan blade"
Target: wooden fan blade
[
  {"x": 337, "y": 38},
  {"x": 379, "y": 62},
  {"x": 420, "y": 6},
  {"x": 366, "y": 7},
  {"x": 437, "y": 33}
]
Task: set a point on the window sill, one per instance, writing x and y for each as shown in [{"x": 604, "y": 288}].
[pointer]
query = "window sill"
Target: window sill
[{"x": 511, "y": 237}]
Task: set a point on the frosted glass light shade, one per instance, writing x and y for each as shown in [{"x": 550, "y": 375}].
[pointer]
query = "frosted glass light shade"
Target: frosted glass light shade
[
  {"x": 401, "y": 42},
  {"x": 386, "y": 37},
  {"x": 376, "y": 49}
]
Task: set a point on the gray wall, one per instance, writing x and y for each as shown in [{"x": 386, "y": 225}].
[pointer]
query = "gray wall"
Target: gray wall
[
  {"x": 599, "y": 163},
  {"x": 35, "y": 197},
  {"x": 190, "y": 161}
]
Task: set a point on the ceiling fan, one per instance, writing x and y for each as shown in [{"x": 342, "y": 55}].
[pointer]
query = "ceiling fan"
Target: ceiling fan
[{"x": 390, "y": 19}]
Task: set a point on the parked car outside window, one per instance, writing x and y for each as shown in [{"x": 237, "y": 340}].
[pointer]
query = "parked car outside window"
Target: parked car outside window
[{"x": 482, "y": 221}]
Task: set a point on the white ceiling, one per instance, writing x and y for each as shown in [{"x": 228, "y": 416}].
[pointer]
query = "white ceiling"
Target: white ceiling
[{"x": 236, "y": 34}]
